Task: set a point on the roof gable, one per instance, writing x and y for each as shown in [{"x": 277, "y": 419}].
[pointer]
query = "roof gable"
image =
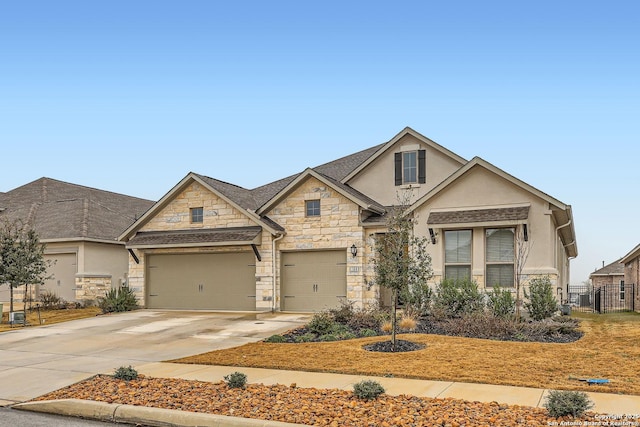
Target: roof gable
[
  {"x": 634, "y": 253},
  {"x": 616, "y": 268},
  {"x": 238, "y": 197},
  {"x": 346, "y": 191},
  {"x": 562, "y": 212},
  {"x": 381, "y": 149},
  {"x": 59, "y": 210}
]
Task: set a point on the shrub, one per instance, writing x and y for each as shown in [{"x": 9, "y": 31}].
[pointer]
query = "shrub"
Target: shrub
[
  {"x": 386, "y": 327},
  {"x": 541, "y": 303},
  {"x": 563, "y": 403},
  {"x": 236, "y": 380},
  {"x": 454, "y": 298},
  {"x": 50, "y": 300},
  {"x": 276, "y": 339},
  {"x": 308, "y": 337},
  {"x": 118, "y": 300},
  {"x": 501, "y": 302},
  {"x": 344, "y": 313},
  {"x": 367, "y": 389},
  {"x": 417, "y": 299},
  {"x": 125, "y": 373},
  {"x": 408, "y": 323},
  {"x": 346, "y": 335},
  {"x": 368, "y": 318},
  {"x": 328, "y": 337},
  {"x": 368, "y": 333},
  {"x": 322, "y": 323}
]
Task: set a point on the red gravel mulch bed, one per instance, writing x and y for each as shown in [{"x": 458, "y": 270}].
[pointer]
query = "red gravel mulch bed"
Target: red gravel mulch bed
[{"x": 310, "y": 406}]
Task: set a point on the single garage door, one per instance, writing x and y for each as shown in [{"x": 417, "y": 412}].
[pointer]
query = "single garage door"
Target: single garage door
[
  {"x": 313, "y": 280},
  {"x": 224, "y": 281},
  {"x": 63, "y": 271}
]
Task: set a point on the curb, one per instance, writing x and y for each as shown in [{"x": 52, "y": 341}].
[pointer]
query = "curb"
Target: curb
[{"x": 157, "y": 417}]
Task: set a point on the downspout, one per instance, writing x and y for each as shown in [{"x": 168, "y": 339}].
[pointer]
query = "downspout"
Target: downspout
[
  {"x": 273, "y": 272},
  {"x": 555, "y": 247}
]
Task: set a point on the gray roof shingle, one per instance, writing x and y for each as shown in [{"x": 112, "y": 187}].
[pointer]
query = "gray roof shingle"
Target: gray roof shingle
[
  {"x": 61, "y": 210},
  {"x": 194, "y": 237},
  {"x": 479, "y": 215},
  {"x": 614, "y": 269}
]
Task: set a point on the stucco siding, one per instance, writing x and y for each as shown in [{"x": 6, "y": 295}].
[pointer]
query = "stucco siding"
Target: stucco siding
[{"x": 377, "y": 180}]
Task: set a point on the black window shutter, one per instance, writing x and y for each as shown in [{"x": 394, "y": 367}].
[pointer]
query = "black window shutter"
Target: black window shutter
[
  {"x": 398, "y": 162},
  {"x": 422, "y": 166}
]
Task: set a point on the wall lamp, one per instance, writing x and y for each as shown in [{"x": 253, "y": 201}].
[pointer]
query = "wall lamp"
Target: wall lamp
[
  {"x": 354, "y": 250},
  {"x": 432, "y": 234}
]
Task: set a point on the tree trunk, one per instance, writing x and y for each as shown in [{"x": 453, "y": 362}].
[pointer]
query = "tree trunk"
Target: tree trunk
[{"x": 394, "y": 321}]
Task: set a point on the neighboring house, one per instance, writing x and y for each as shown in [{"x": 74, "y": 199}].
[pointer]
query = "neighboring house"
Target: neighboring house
[
  {"x": 631, "y": 262},
  {"x": 79, "y": 227},
  {"x": 304, "y": 243},
  {"x": 611, "y": 291}
]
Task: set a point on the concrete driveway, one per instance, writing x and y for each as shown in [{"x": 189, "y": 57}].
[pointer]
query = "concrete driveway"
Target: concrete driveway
[{"x": 37, "y": 360}]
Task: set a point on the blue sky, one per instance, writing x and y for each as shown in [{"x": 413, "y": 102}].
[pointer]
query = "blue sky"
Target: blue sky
[{"x": 130, "y": 96}]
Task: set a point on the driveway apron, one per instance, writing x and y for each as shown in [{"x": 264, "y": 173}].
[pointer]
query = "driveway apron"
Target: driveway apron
[{"x": 37, "y": 360}]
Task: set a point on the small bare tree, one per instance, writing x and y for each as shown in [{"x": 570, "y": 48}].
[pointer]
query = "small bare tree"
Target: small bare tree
[
  {"x": 401, "y": 259},
  {"x": 521, "y": 254}
]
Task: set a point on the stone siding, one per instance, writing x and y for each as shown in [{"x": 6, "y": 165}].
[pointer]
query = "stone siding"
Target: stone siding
[
  {"x": 91, "y": 287},
  {"x": 217, "y": 213},
  {"x": 337, "y": 227}
]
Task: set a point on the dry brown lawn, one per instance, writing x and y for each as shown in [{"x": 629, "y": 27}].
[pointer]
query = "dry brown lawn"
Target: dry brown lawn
[
  {"x": 51, "y": 316},
  {"x": 609, "y": 349}
]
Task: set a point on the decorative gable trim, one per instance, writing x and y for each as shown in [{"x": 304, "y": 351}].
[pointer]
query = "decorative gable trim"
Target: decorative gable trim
[
  {"x": 406, "y": 131},
  {"x": 311, "y": 173},
  {"x": 177, "y": 189}
]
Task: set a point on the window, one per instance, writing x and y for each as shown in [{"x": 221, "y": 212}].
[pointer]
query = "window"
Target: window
[
  {"x": 500, "y": 254},
  {"x": 457, "y": 254},
  {"x": 197, "y": 215},
  {"x": 621, "y": 290},
  {"x": 312, "y": 207},
  {"x": 410, "y": 167}
]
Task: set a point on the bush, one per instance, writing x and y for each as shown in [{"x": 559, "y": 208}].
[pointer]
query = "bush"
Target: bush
[
  {"x": 308, "y": 337},
  {"x": 344, "y": 313},
  {"x": 126, "y": 374},
  {"x": 367, "y": 389},
  {"x": 454, "y": 298},
  {"x": 501, "y": 303},
  {"x": 51, "y": 300},
  {"x": 328, "y": 337},
  {"x": 236, "y": 380},
  {"x": 368, "y": 318},
  {"x": 276, "y": 339},
  {"x": 322, "y": 323},
  {"x": 541, "y": 303},
  {"x": 368, "y": 333},
  {"x": 407, "y": 324},
  {"x": 417, "y": 299},
  {"x": 118, "y": 300},
  {"x": 563, "y": 403}
]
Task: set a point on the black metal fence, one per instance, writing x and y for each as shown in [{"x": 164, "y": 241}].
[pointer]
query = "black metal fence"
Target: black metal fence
[{"x": 603, "y": 299}]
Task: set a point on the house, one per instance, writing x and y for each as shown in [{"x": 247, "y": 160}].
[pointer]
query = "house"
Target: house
[
  {"x": 611, "y": 291},
  {"x": 79, "y": 226},
  {"x": 631, "y": 262},
  {"x": 304, "y": 243}
]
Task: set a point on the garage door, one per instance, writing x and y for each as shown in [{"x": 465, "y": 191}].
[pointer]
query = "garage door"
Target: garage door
[
  {"x": 63, "y": 271},
  {"x": 313, "y": 280},
  {"x": 202, "y": 281}
]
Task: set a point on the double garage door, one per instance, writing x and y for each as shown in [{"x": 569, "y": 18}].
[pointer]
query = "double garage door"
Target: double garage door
[
  {"x": 222, "y": 281},
  {"x": 313, "y": 280}
]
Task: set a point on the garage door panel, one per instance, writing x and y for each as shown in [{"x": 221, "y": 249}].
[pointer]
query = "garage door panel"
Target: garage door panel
[
  {"x": 62, "y": 270},
  {"x": 202, "y": 281},
  {"x": 313, "y": 280}
]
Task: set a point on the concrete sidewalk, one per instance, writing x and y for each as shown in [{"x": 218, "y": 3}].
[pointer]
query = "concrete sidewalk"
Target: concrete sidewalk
[{"x": 613, "y": 404}]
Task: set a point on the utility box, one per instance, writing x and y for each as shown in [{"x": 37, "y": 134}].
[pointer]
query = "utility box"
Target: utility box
[{"x": 16, "y": 318}]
